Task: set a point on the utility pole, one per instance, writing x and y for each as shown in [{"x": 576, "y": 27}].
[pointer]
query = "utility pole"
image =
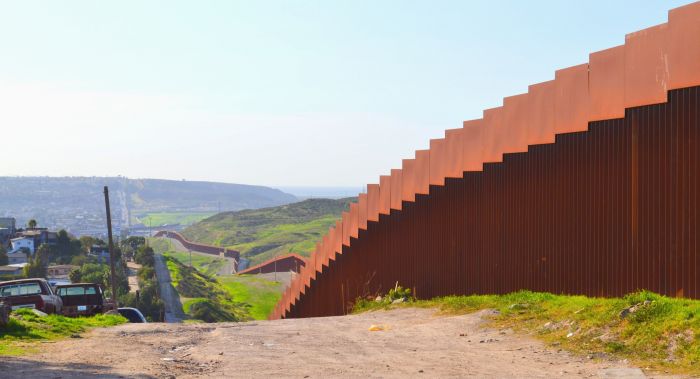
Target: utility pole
[{"x": 111, "y": 248}]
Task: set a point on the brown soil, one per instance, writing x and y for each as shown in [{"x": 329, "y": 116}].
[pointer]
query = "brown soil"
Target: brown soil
[{"x": 414, "y": 343}]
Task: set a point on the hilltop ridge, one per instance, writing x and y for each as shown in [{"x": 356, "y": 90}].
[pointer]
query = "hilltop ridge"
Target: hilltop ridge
[{"x": 260, "y": 234}]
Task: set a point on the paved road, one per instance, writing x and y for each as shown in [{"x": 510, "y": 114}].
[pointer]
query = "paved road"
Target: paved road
[{"x": 173, "y": 306}]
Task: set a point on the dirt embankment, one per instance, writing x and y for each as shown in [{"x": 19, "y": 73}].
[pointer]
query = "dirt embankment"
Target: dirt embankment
[{"x": 414, "y": 343}]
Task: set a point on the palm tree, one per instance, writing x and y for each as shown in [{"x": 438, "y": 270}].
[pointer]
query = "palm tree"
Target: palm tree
[{"x": 31, "y": 224}]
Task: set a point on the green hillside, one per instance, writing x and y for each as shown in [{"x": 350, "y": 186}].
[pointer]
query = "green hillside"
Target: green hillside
[{"x": 260, "y": 234}]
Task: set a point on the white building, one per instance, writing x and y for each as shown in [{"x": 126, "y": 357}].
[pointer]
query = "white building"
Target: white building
[
  {"x": 15, "y": 257},
  {"x": 23, "y": 242}
]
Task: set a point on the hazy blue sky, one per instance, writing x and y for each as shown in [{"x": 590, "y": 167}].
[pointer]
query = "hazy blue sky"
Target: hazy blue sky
[{"x": 273, "y": 92}]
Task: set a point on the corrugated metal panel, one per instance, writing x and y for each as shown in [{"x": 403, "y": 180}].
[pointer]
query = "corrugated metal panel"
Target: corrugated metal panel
[
  {"x": 396, "y": 189},
  {"x": 362, "y": 209},
  {"x": 492, "y": 144},
  {"x": 646, "y": 70},
  {"x": 472, "y": 145},
  {"x": 438, "y": 162},
  {"x": 516, "y": 123},
  {"x": 422, "y": 172},
  {"x": 571, "y": 100},
  {"x": 683, "y": 47},
  {"x": 541, "y": 115},
  {"x": 454, "y": 145},
  {"x": 607, "y": 84},
  {"x": 384, "y": 194}
]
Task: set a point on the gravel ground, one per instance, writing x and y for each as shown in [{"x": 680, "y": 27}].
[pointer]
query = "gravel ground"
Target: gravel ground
[{"x": 413, "y": 343}]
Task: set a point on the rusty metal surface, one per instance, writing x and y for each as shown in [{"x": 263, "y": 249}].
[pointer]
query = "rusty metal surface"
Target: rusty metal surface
[
  {"x": 557, "y": 219},
  {"x": 587, "y": 184}
]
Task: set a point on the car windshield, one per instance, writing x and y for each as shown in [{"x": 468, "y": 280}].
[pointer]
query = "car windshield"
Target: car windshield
[
  {"x": 20, "y": 289},
  {"x": 76, "y": 291}
]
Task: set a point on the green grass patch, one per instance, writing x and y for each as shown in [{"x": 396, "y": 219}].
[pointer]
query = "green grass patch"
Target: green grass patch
[
  {"x": 648, "y": 329},
  {"x": 209, "y": 265},
  {"x": 26, "y": 329},
  {"x": 260, "y": 294},
  {"x": 173, "y": 218},
  {"x": 204, "y": 297}
]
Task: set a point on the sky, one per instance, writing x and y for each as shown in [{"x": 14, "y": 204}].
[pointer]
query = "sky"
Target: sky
[{"x": 279, "y": 93}]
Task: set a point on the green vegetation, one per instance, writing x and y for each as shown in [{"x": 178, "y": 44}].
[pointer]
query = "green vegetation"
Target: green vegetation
[
  {"x": 26, "y": 328},
  {"x": 148, "y": 299},
  {"x": 260, "y": 294},
  {"x": 172, "y": 218},
  {"x": 261, "y": 234},
  {"x": 160, "y": 245},
  {"x": 648, "y": 329},
  {"x": 204, "y": 297},
  {"x": 209, "y": 265}
]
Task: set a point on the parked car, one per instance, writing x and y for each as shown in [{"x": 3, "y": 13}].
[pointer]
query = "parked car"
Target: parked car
[
  {"x": 83, "y": 299},
  {"x": 133, "y": 315},
  {"x": 30, "y": 293}
]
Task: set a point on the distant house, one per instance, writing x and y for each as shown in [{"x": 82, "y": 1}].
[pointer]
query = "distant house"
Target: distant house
[
  {"x": 20, "y": 243},
  {"x": 101, "y": 253},
  {"x": 60, "y": 271},
  {"x": 11, "y": 270},
  {"x": 40, "y": 236},
  {"x": 16, "y": 257}
]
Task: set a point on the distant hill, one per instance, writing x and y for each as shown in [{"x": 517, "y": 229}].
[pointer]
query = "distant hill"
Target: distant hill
[
  {"x": 77, "y": 203},
  {"x": 264, "y": 233}
]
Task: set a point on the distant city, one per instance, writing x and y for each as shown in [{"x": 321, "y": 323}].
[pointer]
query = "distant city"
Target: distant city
[{"x": 76, "y": 204}]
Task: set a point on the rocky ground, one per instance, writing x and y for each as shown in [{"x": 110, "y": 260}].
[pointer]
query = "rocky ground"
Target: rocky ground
[{"x": 409, "y": 343}]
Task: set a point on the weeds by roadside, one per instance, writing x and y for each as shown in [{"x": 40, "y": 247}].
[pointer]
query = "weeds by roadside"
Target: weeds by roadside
[
  {"x": 25, "y": 328},
  {"x": 649, "y": 330}
]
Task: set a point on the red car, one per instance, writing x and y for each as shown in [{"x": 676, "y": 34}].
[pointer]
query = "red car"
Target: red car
[{"x": 30, "y": 293}]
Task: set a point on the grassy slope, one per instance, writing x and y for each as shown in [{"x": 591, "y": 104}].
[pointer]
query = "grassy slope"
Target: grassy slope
[
  {"x": 172, "y": 218},
  {"x": 207, "y": 265},
  {"x": 195, "y": 287},
  {"x": 662, "y": 334},
  {"x": 26, "y": 328},
  {"x": 260, "y": 294},
  {"x": 261, "y": 234}
]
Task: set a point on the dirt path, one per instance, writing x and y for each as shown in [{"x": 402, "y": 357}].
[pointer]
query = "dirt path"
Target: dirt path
[
  {"x": 416, "y": 343},
  {"x": 173, "y": 306},
  {"x": 133, "y": 268}
]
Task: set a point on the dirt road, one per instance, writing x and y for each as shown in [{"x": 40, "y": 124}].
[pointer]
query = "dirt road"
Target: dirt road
[{"x": 415, "y": 343}]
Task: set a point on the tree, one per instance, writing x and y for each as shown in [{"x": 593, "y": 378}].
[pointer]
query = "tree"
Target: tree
[
  {"x": 75, "y": 276},
  {"x": 35, "y": 269},
  {"x": 145, "y": 256},
  {"x": 32, "y": 224},
  {"x": 86, "y": 242},
  {"x": 4, "y": 260},
  {"x": 66, "y": 247}
]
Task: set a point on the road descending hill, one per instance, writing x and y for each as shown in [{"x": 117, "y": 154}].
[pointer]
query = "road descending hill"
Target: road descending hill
[
  {"x": 413, "y": 343},
  {"x": 260, "y": 234}
]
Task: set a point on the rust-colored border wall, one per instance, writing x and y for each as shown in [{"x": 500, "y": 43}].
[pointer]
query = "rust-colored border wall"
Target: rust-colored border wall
[
  {"x": 558, "y": 218},
  {"x": 564, "y": 139},
  {"x": 284, "y": 263},
  {"x": 198, "y": 247}
]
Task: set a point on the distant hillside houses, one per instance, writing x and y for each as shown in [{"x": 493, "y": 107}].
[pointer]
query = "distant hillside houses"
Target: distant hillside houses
[{"x": 22, "y": 243}]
